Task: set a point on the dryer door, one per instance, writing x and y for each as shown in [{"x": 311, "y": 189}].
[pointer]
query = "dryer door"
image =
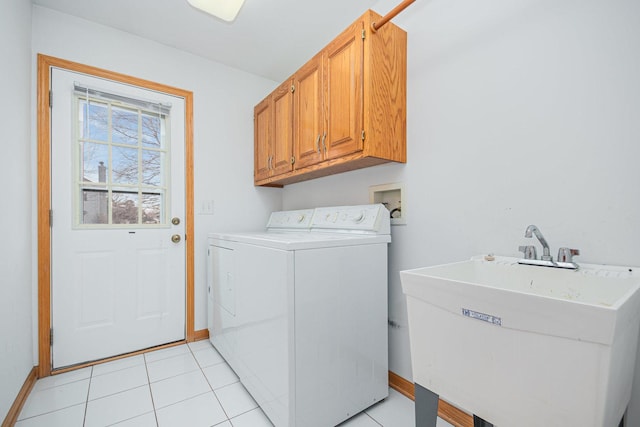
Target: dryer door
[
  {"x": 224, "y": 271},
  {"x": 222, "y": 300}
]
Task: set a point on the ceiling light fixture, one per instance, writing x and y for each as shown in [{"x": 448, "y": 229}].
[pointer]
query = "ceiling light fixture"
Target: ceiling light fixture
[{"x": 224, "y": 9}]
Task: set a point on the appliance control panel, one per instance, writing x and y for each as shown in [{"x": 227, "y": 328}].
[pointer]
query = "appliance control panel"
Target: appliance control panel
[
  {"x": 362, "y": 219},
  {"x": 299, "y": 220},
  {"x": 372, "y": 219}
]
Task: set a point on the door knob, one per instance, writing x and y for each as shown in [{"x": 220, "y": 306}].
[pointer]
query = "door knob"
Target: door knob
[
  {"x": 175, "y": 220},
  {"x": 175, "y": 238}
]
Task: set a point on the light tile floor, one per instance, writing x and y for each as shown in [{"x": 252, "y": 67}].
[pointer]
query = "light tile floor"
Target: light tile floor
[{"x": 183, "y": 386}]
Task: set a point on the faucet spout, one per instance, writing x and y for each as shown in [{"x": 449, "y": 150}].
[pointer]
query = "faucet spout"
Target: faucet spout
[{"x": 533, "y": 230}]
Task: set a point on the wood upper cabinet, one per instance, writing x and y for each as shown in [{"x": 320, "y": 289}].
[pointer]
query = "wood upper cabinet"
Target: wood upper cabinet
[
  {"x": 308, "y": 119},
  {"x": 343, "y": 92},
  {"x": 282, "y": 118},
  {"x": 347, "y": 110},
  {"x": 328, "y": 101},
  {"x": 273, "y": 134},
  {"x": 262, "y": 140}
]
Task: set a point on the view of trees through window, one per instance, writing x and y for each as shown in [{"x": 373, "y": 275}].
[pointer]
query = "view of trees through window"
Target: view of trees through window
[{"x": 122, "y": 156}]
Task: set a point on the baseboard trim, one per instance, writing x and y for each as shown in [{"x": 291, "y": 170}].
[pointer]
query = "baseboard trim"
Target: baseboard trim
[
  {"x": 202, "y": 334},
  {"x": 453, "y": 415},
  {"x": 18, "y": 403},
  {"x": 401, "y": 385},
  {"x": 446, "y": 411}
]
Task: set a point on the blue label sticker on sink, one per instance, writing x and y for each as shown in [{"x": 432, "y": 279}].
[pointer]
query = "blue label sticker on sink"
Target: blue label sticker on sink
[{"x": 482, "y": 316}]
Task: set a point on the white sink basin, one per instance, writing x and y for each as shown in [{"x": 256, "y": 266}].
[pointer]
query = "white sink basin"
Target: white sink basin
[{"x": 522, "y": 345}]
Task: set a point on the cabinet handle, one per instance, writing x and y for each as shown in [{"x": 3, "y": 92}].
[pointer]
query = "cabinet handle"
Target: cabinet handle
[
  {"x": 324, "y": 146},
  {"x": 269, "y": 162},
  {"x": 318, "y": 143}
]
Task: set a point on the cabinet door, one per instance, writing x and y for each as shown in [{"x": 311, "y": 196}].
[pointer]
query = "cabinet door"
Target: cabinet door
[
  {"x": 344, "y": 92},
  {"x": 282, "y": 120},
  {"x": 308, "y": 125},
  {"x": 262, "y": 140}
]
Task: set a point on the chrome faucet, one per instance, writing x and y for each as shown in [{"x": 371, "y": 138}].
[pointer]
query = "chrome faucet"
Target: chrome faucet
[
  {"x": 565, "y": 255},
  {"x": 546, "y": 253}
]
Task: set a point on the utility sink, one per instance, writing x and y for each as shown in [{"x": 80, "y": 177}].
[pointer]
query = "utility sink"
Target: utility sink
[{"x": 522, "y": 345}]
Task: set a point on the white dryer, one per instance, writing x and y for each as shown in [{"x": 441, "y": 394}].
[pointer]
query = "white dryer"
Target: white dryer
[{"x": 300, "y": 312}]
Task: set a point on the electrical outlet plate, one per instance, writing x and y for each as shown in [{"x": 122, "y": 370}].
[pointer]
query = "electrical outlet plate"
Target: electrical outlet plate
[{"x": 393, "y": 197}]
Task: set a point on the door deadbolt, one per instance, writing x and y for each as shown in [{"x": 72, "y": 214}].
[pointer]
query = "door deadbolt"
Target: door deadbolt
[
  {"x": 175, "y": 220},
  {"x": 175, "y": 238}
]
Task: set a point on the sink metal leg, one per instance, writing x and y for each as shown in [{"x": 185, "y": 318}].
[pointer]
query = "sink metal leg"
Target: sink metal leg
[
  {"x": 426, "y": 403},
  {"x": 479, "y": 422}
]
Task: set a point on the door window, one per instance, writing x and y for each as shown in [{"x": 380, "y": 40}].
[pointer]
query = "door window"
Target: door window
[{"x": 122, "y": 155}]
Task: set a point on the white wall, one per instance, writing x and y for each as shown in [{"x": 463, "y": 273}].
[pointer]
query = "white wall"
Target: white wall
[
  {"x": 520, "y": 112},
  {"x": 223, "y": 120},
  {"x": 15, "y": 173}
]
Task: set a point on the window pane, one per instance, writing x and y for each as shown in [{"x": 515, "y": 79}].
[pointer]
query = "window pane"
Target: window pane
[
  {"x": 152, "y": 209},
  {"x": 124, "y": 206},
  {"x": 124, "y": 126},
  {"x": 125, "y": 165},
  {"x": 94, "y": 121},
  {"x": 95, "y": 160},
  {"x": 151, "y": 167},
  {"x": 151, "y": 135},
  {"x": 94, "y": 206}
]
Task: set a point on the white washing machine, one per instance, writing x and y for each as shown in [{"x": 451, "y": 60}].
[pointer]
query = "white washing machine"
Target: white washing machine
[{"x": 300, "y": 312}]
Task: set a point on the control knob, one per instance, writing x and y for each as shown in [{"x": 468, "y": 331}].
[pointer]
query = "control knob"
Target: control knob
[{"x": 358, "y": 218}]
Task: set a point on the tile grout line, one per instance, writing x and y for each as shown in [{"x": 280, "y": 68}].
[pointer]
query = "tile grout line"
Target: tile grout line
[
  {"x": 119, "y": 369},
  {"x": 165, "y": 358},
  {"x": 210, "y": 386},
  {"x": 54, "y": 410},
  {"x": 173, "y": 357},
  {"x": 191, "y": 351},
  {"x": 181, "y": 374},
  {"x": 374, "y": 420},
  {"x": 184, "y": 400},
  {"x": 228, "y": 385},
  {"x": 127, "y": 419},
  {"x": 50, "y": 412},
  {"x": 153, "y": 403},
  {"x": 246, "y": 412},
  {"x": 144, "y": 362},
  {"x": 114, "y": 393},
  {"x": 86, "y": 403},
  {"x": 123, "y": 391},
  {"x": 34, "y": 391}
]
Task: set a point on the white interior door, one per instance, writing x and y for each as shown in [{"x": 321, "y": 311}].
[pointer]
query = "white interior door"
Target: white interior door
[{"x": 117, "y": 178}]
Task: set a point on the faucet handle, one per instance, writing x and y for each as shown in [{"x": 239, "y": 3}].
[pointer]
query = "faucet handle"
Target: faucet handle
[
  {"x": 529, "y": 252},
  {"x": 567, "y": 254}
]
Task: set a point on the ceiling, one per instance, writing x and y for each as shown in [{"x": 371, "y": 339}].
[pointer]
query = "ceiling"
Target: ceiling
[{"x": 269, "y": 38}]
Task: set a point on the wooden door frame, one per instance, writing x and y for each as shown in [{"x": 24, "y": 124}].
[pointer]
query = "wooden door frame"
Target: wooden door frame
[{"x": 45, "y": 63}]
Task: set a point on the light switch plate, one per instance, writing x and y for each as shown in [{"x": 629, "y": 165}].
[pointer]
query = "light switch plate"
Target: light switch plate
[{"x": 206, "y": 207}]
